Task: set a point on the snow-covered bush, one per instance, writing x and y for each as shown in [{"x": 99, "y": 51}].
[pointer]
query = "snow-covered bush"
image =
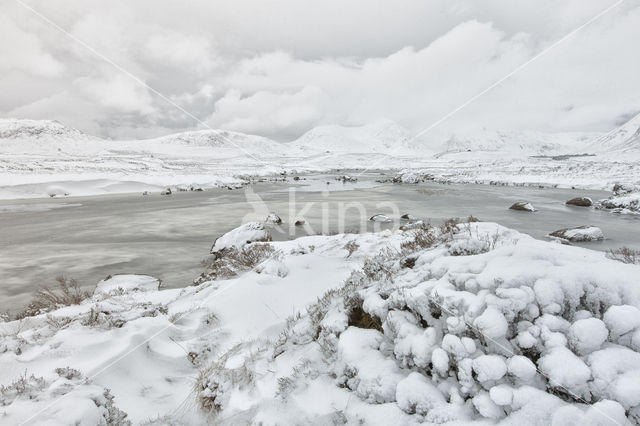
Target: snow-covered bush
[
  {"x": 66, "y": 293},
  {"x": 83, "y": 402},
  {"x": 233, "y": 261},
  {"x": 521, "y": 329},
  {"x": 625, "y": 255}
]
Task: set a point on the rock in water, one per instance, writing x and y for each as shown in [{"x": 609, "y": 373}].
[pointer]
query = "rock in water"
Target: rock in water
[
  {"x": 300, "y": 222},
  {"x": 273, "y": 218},
  {"x": 580, "y": 202},
  {"x": 579, "y": 234},
  {"x": 380, "y": 218},
  {"x": 525, "y": 207},
  {"x": 407, "y": 216}
]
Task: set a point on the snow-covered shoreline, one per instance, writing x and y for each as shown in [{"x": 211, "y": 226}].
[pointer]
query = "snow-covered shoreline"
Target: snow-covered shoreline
[
  {"x": 45, "y": 158},
  {"x": 424, "y": 324}
]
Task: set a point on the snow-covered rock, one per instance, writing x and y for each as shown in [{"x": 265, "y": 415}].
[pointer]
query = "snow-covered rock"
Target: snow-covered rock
[
  {"x": 273, "y": 218},
  {"x": 522, "y": 206},
  {"x": 580, "y": 202},
  {"x": 380, "y": 218},
  {"x": 628, "y": 203},
  {"x": 578, "y": 234},
  {"x": 236, "y": 238},
  {"x": 126, "y": 283}
]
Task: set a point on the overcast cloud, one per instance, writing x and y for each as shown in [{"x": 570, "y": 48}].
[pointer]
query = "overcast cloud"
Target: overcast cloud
[{"x": 278, "y": 68}]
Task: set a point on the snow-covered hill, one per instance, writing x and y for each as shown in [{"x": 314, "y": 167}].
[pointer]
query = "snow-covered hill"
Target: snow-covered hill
[
  {"x": 219, "y": 139},
  {"x": 13, "y": 128}
]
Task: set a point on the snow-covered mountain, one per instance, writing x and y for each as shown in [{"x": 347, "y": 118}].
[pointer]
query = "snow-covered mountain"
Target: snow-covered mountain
[
  {"x": 517, "y": 142},
  {"x": 625, "y": 138},
  {"x": 379, "y": 137}
]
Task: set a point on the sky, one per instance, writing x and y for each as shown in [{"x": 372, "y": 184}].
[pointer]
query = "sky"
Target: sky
[{"x": 278, "y": 68}]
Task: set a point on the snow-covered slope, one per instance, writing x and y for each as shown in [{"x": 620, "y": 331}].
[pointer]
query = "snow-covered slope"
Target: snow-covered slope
[{"x": 625, "y": 138}]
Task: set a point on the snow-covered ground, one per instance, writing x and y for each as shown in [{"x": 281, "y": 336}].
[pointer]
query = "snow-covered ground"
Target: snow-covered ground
[
  {"x": 46, "y": 158},
  {"x": 463, "y": 323}
]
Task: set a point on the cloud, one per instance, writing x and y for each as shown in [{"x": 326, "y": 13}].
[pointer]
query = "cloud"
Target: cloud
[
  {"x": 278, "y": 115},
  {"x": 117, "y": 92},
  {"x": 24, "y": 52},
  {"x": 282, "y": 67}
]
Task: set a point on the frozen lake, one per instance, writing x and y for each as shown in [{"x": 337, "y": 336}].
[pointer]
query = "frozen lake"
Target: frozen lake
[{"x": 88, "y": 238}]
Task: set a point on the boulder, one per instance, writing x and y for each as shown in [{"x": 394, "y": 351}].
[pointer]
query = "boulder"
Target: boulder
[
  {"x": 580, "y": 202},
  {"x": 579, "y": 234},
  {"x": 380, "y": 218},
  {"x": 273, "y": 218},
  {"x": 166, "y": 192},
  {"x": 522, "y": 206},
  {"x": 300, "y": 222}
]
